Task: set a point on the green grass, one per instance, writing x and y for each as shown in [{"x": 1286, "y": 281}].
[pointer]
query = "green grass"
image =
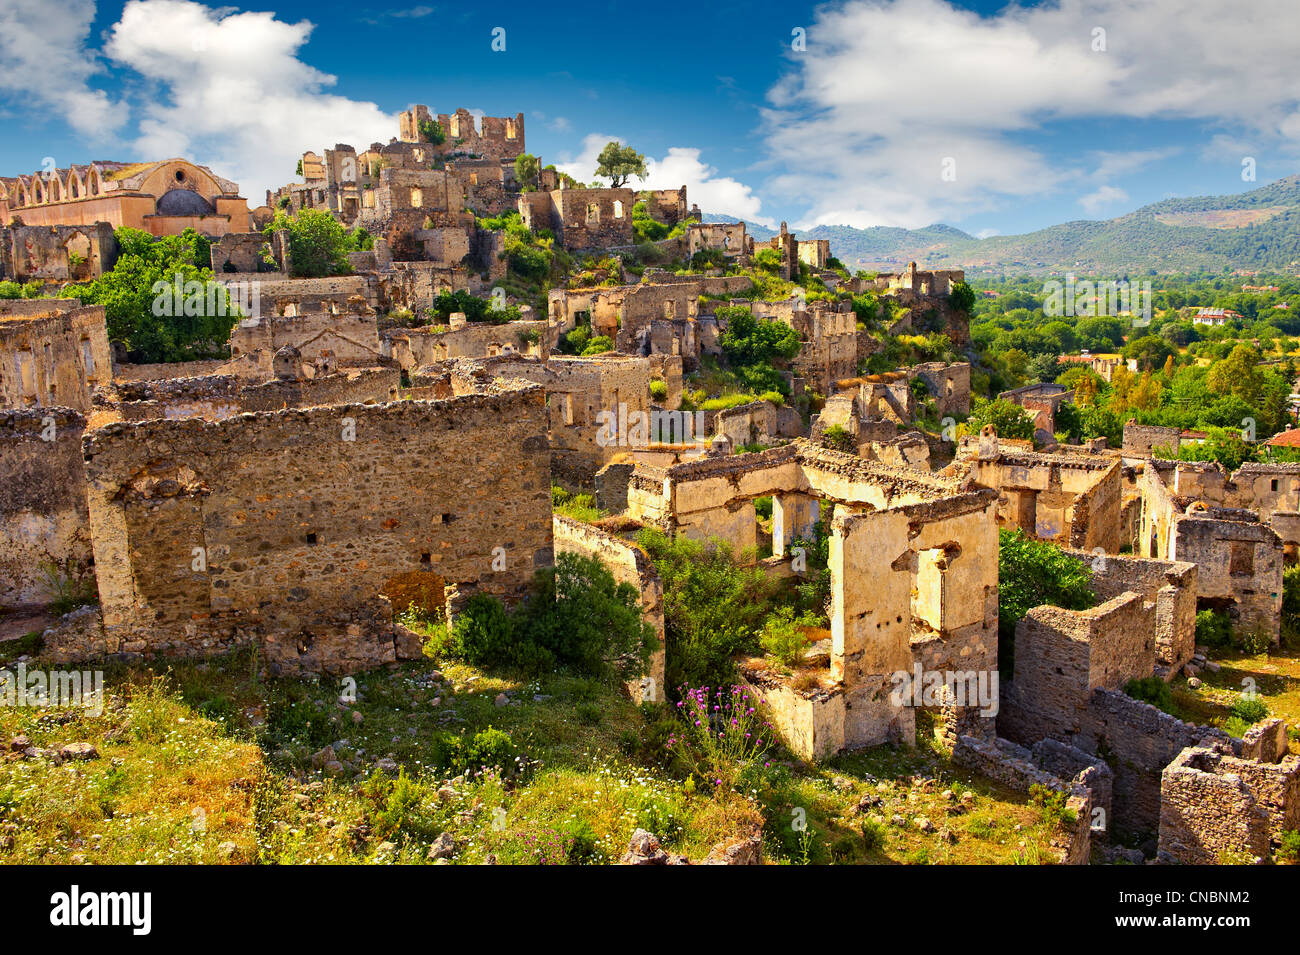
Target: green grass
[{"x": 206, "y": 763}]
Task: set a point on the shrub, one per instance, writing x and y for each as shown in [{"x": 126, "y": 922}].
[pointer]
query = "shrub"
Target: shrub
[
  {"x": 838, "y": 438},
  {"x": 873, "y": 834},
  {"x": 1032, "y": 573},
  {"x": 1289, "y": 846},
  {"x": 483, "y": 633},
  {"x": 659, "y": 390},
  {"x": 578, "y": 615},
  {"x": 1151, "y": 689},
  {"x": 713, "y": 608},
  {"x": 783, "y": 636},
  {"x": 1213, "y": 629},
  {"x": 721, "y": 732},
  {"x": 599, "y": 344},
  {"x": 1249, "y": 709},
  {"x": 487, "y": 749},
  {"x": 1291, "y": 601}
]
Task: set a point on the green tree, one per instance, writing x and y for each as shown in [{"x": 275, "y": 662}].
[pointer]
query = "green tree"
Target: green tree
[
  {"x": 962, "y": 297},
  {"x": 755, "y": 341},
  {"x": 1032, "y": 573},
  {"x": 142, "y": 309},
  {"x": 1150, "y": 351},
  {"x": 527, "y": 169},
  {"x": 1238, "y": 374},
  {"x": 431, "y": 131},
  {"x": 1008, "y": 418},
  {"x": 619, "y": 163},
  {"x": 318, "y": 243}
]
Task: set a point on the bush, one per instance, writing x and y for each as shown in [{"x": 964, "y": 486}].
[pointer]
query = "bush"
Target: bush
[
  {"x": 874, "y": 834},
  {"x": 1153, "y": 690},
  {"x": 783, "y": 636},
  {"x": 598, "y": 345},
  {"x": 483, "y": 634},
  {"x": 576, "y": 616},
  {"x": 1213, "y": 629},
  {"x": 1032, "y": 573},
  {"x": 713, "y": 608},
  {"x": 1249, "y": 709},
  {"x": 1289, "y": 846},
  {"x": 659, "y": 390},
  {"x": 487, "y": 749},
  {"x": 838, "y": 438}
]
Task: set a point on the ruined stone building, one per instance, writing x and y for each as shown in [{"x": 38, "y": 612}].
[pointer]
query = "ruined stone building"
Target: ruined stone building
[
  {"x": 658, "y": 316},
  {"x": 162, "y": 198},
  {"x": 729, "y": 238},
  {"x": 53, "y": 353},
  {"x": 488, "y": 137},
  {"x": 416, "y": 348},
  {"x": 289, "y": 527},
  {"x": 913, "y": 561},
  {"x": 57, "y": 253},
  {"x": 1069, "y": 498},
  {"x": 581, "y": 219},
  {"x": 1196, "y": 513},
  {"x": 593, "y": 406},
  {"x": 1043, "y": 401}
]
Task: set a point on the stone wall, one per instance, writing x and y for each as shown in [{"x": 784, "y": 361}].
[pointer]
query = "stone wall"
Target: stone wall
[
  {"x": 56, "y": 253},
  {"x": 1170, "y": 585},
  {"x": 1219, "y": 809},
  {"x": 42, "y": 502},
  {"x": 1061, "y": 656},
  {"x": 53, "y": 353},
  {"x": 1138, "y": 741},
  {"x": 1086, "y": 787},
  {"x": 1070, "y": 499},
  {"x": 215, "y": 397},
  {"x": 287, "y": 527},
  {"x": 1141, "y": 439}
]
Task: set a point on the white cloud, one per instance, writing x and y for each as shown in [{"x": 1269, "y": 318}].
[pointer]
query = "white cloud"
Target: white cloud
[
  {"x": 1112, "y": 164},
  {"x": 1095, "y": 202},
  {"x": 887, "y": 88},
  {"x": 44, "y": 62},
  {"x": 233, "y": 93},
  {"x": 986, "y": 233},
  {"x": 682, "y": 166}
]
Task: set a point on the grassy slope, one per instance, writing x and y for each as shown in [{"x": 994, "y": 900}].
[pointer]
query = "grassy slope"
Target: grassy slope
[{"x": 208, "y": 764}]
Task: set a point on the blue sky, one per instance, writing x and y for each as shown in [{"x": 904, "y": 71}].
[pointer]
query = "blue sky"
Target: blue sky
[{"x": 991, "y": 118}]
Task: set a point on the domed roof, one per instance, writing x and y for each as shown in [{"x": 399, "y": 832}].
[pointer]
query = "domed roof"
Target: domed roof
[{"x": 184, "y": 202}]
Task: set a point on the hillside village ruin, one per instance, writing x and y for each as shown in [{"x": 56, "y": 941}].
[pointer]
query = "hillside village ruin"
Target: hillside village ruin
[{"x": 288, "y": 494}]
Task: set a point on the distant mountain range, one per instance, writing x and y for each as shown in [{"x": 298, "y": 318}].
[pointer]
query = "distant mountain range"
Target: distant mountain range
[{"x": 1259, "y": 229}]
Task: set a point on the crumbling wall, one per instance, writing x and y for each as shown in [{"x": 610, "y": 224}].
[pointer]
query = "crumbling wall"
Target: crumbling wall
[
  {"x": 1061, "y": 656},
  {"x": 1170, "y": 585},
  {"x": 42, "y": 502},
  {"x": 1209, "y": 814},
  {"x": 53, "y": 353},
  {"x": 286, "y": 527},
  {"x": 57, "y": 253},
  {"x": 1141, "y": 439},
  {"x": 1086, "y": 785},
  {"x": 1138, "y": 741}
]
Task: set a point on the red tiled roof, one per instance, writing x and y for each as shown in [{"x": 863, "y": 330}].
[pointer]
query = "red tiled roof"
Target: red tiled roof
[{"x": 1287, "y": 439}]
